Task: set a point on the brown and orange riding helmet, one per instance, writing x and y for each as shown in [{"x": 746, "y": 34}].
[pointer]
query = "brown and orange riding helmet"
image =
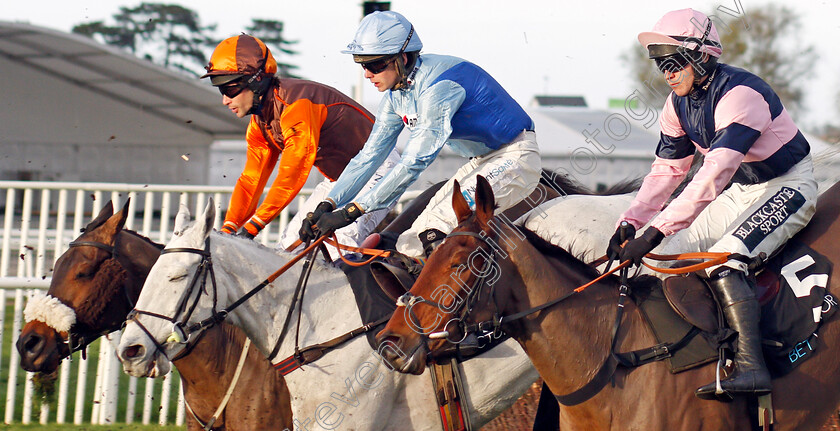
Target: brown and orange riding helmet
[{"x": 240, "y": 56}]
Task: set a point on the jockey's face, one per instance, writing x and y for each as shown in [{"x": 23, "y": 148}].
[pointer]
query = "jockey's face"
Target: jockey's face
[
  {"x": 680, "y": 81},
  {"x": 241, "y": 103},
  {"x": 386, "y": 79}
]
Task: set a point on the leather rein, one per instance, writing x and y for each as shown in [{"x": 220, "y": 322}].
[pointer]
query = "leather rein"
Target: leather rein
[
  {"x": 182, "y": 331},
  {"x": 492, "y": 328}
]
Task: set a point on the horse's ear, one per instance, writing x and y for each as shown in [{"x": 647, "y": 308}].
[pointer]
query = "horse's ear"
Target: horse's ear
[
  {"x": 485, "y": 202},
  {"x": 459, "y": 203},
  {"x": 104, "y": 214},
  {"x": 182, "y": 219},
  {"x": 209, "y": 217},
  {"x": 108, "y": 231}
]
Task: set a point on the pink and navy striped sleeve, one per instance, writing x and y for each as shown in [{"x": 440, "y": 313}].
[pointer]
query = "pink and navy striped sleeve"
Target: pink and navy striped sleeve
[{"x": 752, "y": 131}]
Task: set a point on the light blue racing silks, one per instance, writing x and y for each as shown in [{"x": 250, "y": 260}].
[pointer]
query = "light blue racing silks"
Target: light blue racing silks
[{"x": 449, "y": 101}]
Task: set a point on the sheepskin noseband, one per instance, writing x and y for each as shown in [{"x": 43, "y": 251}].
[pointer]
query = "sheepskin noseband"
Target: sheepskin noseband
[{"x": 49, "y": 310}]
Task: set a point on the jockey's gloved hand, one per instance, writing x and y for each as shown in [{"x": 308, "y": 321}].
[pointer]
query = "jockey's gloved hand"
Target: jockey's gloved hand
[
  {"x": 228, "y": 229},
  {"x": 242, "y": 232},
  {"x": 307, "y": 230},
  {"x": 335, "y": 220},
  {"x": 637, "y": 248},
  {"x": 624, "y": 232}
]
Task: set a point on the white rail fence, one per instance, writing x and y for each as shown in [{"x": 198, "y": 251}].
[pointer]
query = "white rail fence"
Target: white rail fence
[{"x": 39, "y": 221}]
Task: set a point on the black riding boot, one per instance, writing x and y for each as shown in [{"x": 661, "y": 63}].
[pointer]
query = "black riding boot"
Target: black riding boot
[{"x": 741, "y": 309}]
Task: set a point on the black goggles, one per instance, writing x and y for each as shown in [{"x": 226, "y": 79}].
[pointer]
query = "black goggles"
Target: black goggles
[
  {"x": 232, "y": 89},
  {"x": 378, "y": 66},
  {"x": 672, "y": 63}
]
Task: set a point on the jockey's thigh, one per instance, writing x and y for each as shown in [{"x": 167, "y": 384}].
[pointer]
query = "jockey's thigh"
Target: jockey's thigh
[
  {"x": 513, "y": 172},
  {"x": 352, "y": 234},
  {"x": 783, "y": 207},
  {"x": 754, "y": 218}
]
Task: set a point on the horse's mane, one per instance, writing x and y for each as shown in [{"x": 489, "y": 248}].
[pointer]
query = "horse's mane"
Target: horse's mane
[
  {"x": 566, "y": 185},
  {"x": 552, "y": 251},
  {"x": 138, "y": 235},
  {"x": 279, "y": 252}
]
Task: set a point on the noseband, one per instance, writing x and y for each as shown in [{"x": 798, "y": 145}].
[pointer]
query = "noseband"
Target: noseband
[
  {"x": 485, "y": 331},
  {"x": 79, "y": 340},
  {"x": 180, "y": 332}
]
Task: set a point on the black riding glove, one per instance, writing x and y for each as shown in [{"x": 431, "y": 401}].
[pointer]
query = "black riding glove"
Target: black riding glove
[
  {"x": 242, "y": 232},
  {"x": 330, "y": 222},
  {"x": 307, "y": 230},
  {"x": 624, "y": 232},
  {"x": 637, "y": 248}
]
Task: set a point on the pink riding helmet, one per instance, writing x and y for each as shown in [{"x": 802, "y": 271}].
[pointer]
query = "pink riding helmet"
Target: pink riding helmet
[{"x": 686, "y": 27}]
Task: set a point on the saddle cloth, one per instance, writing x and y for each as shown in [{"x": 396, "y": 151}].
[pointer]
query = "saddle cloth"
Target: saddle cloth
[{"x": 794, "y": 302}]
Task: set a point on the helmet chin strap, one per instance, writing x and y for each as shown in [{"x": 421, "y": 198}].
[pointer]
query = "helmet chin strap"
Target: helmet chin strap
[
  {"x": 405, "y": 79},
  {"x": 697, "y": 90},
  {"x": 259, "y": 85}
]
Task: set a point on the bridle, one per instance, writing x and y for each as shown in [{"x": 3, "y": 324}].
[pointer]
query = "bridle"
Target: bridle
[
  {"x": 78, "y": 340},
  {"x": 181, "y": 333},
  {"x": 485, "y": 331}
]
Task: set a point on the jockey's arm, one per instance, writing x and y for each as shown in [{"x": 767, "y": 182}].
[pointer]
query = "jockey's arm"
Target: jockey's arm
[
  {"x": 260, "y": 160},
  {"x": 301, "y": 127},
  {"x": 436, "y": 107}
]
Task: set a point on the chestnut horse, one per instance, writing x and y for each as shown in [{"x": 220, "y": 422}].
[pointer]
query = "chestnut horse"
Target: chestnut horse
[
  {"x": 569, "y": 341},
  {"x": 100, "y": 278}
]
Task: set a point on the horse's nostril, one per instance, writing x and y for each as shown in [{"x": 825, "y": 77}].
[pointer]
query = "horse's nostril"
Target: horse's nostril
[
  {"x": 33, "y": 344},
  {"x": 133, "y": 351}
]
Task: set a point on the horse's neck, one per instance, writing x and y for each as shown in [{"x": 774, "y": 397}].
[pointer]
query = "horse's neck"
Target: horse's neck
[
  {"x": 329, "y": 307},
  {"x": 209, "y": 359},
  {"x": 581, "y": 324},
  {"x": 137, "y": 256}
]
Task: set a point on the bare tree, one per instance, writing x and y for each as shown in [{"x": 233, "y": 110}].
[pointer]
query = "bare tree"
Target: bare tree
[
  {"x": 271, "y": 33},
  {"x": 169, "y": 35}
]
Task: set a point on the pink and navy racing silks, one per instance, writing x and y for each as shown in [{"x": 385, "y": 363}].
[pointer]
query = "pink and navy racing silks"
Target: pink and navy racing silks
[
  {"x": 448, "y": 101},
  {"x": 746, "y": 135}
]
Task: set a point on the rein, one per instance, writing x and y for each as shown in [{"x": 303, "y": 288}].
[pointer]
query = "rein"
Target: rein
[
  {"x": 182, "y": 333},
  {"x": 373, "y": 252},
  {"x": 611, "y": 362}
]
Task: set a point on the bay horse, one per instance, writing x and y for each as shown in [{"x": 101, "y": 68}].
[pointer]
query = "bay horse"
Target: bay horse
[
  {"x": 348, "y": 388},
  {"x": 95, "y": 284},
  {"x": 569, "y": 341}
]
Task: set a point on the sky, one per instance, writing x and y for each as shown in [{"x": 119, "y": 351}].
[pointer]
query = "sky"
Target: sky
[{"x": 531, "y": 47}]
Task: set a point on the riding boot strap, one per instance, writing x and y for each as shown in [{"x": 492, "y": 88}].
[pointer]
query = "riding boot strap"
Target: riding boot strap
[{"x": 742, "y": 311}]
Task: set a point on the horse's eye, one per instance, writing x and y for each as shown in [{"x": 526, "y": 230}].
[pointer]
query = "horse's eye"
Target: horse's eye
[
  {"x": 85, "y": 274},
  {"x": 178, "y": 277}
]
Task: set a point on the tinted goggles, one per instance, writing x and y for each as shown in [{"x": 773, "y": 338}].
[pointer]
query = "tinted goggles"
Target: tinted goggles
[
  {"x": 377, "y": 66},
  {"x": 232, "y": 89},
  {"x": 672, "y": 63}
]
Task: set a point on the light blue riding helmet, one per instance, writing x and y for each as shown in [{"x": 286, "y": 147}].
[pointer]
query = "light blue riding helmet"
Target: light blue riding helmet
[{"x": 383, "y": 33}]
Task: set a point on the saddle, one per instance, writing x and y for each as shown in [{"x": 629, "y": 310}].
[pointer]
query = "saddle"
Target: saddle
[
  {"x": 374, "y": 303},
  {"x": 791, "y": 289}
]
